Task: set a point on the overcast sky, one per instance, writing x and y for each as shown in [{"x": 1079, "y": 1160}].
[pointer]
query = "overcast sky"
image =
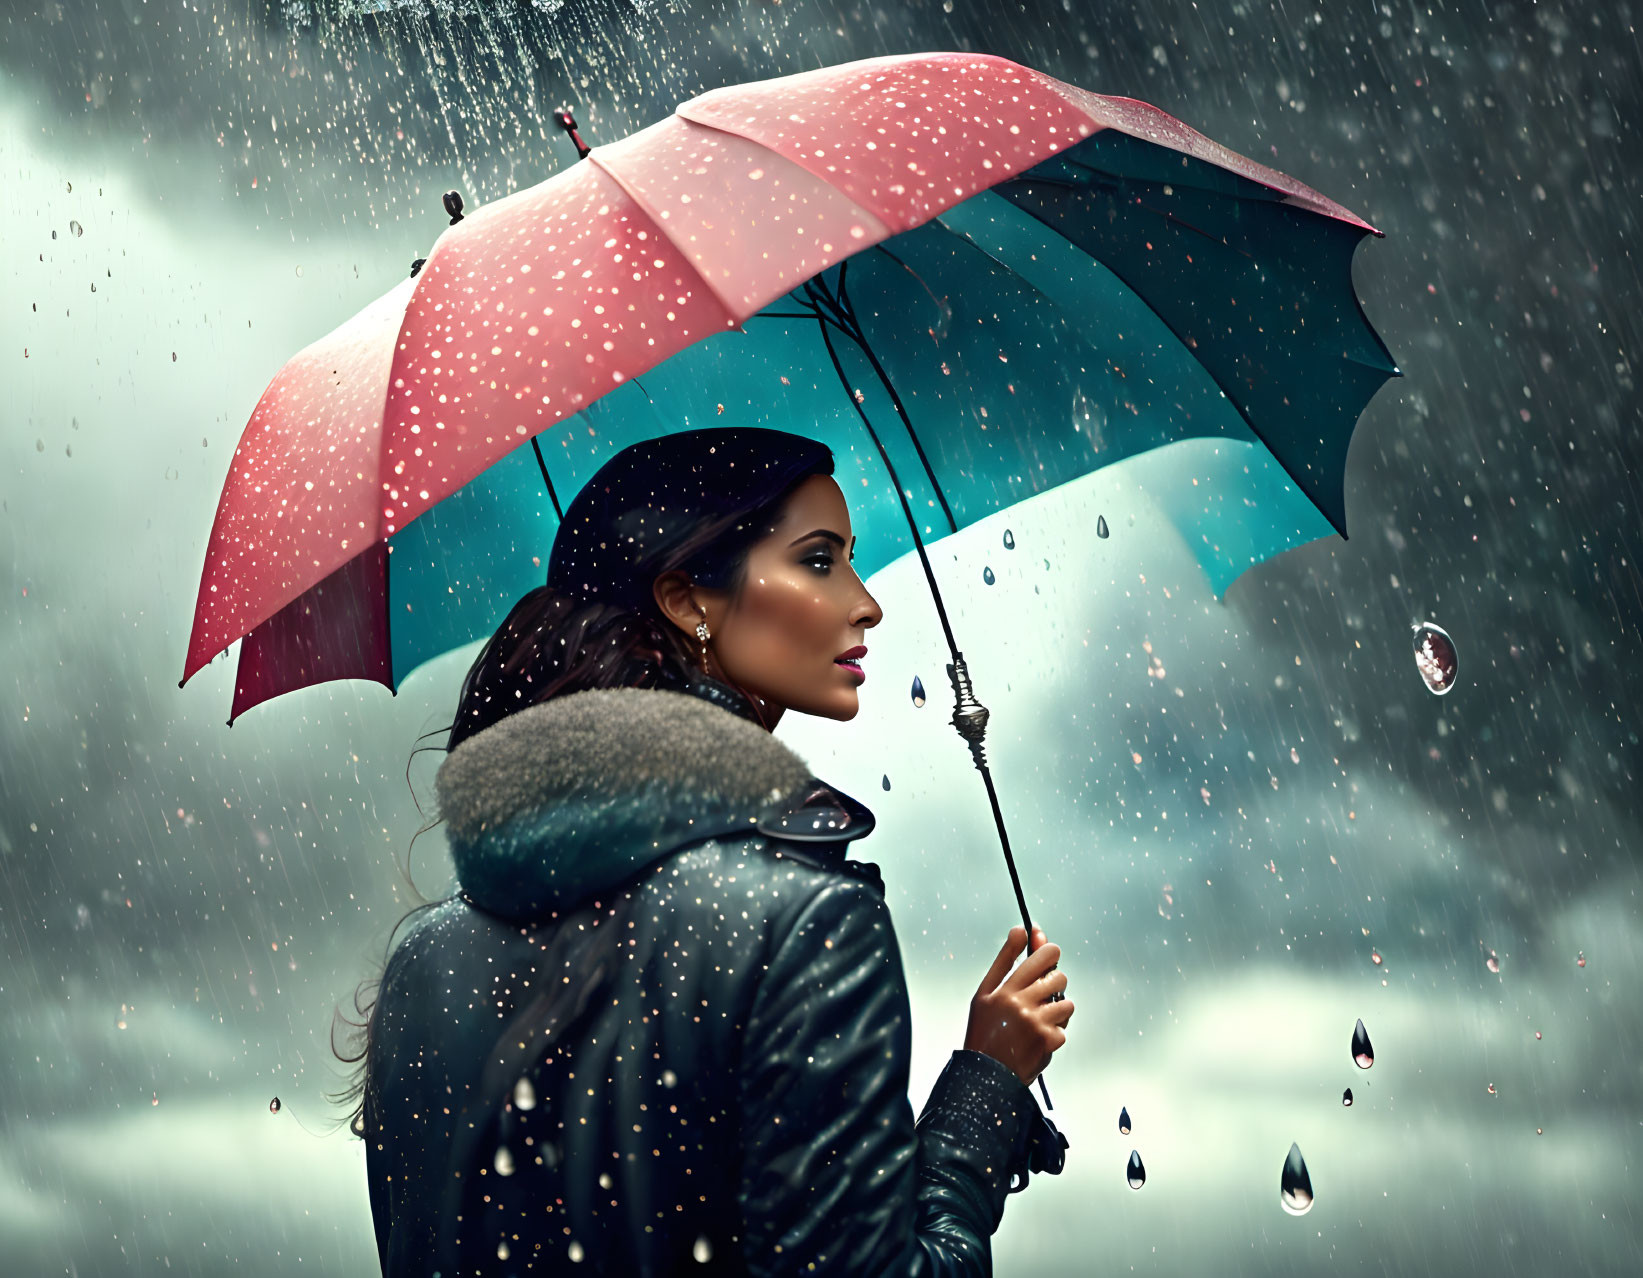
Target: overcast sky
[{"x": 1221, "y": 808}]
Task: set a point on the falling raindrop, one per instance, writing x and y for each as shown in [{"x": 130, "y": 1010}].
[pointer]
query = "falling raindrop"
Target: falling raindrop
[
  {"x": 524, "y": 1095},
  {"x": 1346, "y": 1098},
  {"x": 1492, "y": 1091},
  {"x": 156, "y": 1098},
  {"x": 886, "y": 780},
  {"x": 274, "y": 1105},
  {"x": 1137, "y": 1171},
  {"x": 77, "y": 229},
  {"x": 987, "y": 576},
  {"x": 1435, "y": 656},
  {"x": 173, "y": 357},
  {"x": 1124, "y": 1121},
  {"x": 918, "y": 684},
  {"x": 1375, "y": 957},
  {"x": 1362, "y": 1051},
  {"x": 39, "y": 445},
  {"x": 1295, "y": 1188},
  {"x": 71, "y": 188},
  {"x": 703, "y": 1250},
  {"x": 574, "y": 1251},
  {"x": 54, "y": 235},
  {"x": 1101, "y": 526},
  {"x": 1580, "y": 959},
  {"x": 1009, "y": 540},
  {"x": 1492, "y": 963},
  {"x": 504, "y": 1161},
  {"x": 1537, "y": 1033},
  {"x": 502, "y": 1252},
  {"x": 669, "y": 1078},
  {"x": 299, "y": 270}
]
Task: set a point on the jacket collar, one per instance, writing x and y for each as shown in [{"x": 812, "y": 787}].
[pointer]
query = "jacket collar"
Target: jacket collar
[{"x": 564, "y": 800}]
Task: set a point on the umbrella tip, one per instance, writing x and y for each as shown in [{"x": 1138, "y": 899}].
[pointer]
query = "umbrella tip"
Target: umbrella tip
[
  {"x": 567, "y": 122},
  {"x": 180, "y": 682}
]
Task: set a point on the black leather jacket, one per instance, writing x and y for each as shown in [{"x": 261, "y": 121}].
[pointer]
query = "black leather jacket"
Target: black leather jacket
[{"x": 664, "y": 1027}]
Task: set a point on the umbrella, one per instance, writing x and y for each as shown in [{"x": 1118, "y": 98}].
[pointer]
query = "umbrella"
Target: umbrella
[{"x": 1006, "y": 280}]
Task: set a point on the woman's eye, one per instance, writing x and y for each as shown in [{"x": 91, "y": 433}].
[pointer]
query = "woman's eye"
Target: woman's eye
[{"x": 821, "y": 562}]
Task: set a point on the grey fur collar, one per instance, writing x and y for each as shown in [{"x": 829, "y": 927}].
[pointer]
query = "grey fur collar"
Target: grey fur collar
[{"x": 562, "y": 801}]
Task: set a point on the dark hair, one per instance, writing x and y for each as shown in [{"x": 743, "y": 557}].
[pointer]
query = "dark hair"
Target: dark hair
[{"x": 695, "y": 501}]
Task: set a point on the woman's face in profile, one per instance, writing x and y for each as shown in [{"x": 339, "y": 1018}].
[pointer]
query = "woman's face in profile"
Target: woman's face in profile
[{"x": 802, "y": 608}]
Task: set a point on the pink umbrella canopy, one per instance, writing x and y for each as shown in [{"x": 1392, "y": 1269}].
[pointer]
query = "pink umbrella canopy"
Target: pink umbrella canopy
[{"x": 534, "y": 306}]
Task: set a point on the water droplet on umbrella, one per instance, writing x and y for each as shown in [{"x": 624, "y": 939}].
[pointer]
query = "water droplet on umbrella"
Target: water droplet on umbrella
[
  {"x": 274, "y": 1105},
  {"x": 703, "y": 1250},
  {"x": 77, "y": 229},
  {"x": 1492, "y": 963},
  {"x": 504, "y": 1161},
  {"x": 524, "y": 1095},
  {"x": 918, "y": 691},
  {"x": 887, "y": 781},
  {"x": 1375, "y": 957},
  {"x": 1124, "y": 1120},
  {"x": 1362, "y": 1051},
  {"x": 358, "y": 1125},
  {"x": 1295, "y": 1189},
  {"x": 1346, "y": 1098},
  {"x": 1101, "y": 526},
  {"x": 1435, "y": 657},
  {"x": 1009, "y": 540},
  {"x": 987, "y": 576},
  {"x": 1580, "y": 959},
  {"x": 1137, "y": 1172}
]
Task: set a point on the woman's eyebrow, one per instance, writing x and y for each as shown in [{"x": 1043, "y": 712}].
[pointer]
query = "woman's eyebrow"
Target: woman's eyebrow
[{"x": 823, "y": 532}]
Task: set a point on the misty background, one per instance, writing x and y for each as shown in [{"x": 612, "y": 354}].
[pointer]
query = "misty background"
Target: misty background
[{"x": 1223, "y": 810}]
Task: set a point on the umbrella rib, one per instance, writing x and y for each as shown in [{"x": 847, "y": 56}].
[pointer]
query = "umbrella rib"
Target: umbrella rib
[{"x": 859, "y": 337}]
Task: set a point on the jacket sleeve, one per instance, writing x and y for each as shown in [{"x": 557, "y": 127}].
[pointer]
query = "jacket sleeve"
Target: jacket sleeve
[{"x": 835, "y": 1177}]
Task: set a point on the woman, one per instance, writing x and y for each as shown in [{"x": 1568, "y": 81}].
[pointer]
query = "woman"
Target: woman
[{"x": 664, "y": 1026}]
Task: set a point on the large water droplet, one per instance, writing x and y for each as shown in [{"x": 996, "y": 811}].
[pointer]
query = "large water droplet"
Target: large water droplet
[
  {"x": 1492, "y": 963},
  {"x": 918, "y": 691},
  {"x": 1346, "y": 1098},
  {"x": 574, "y": 1251},
  {"x": 1435, "y": 657},
  {"x": 1375, "y": 957},
  {"x": 1124, "y": 1120},
  {"x": 1101, "y": 526},
  {"x": 77, "y": 229},
  {"x": 1009, "y": 540},
  {"x": 524, "y": 1095},
  {"x": 1295, "y": 1189},
  {"x": 1363, "y": 1052},
  {"x": 1136, "y": 1172},
  {"x": 987, "y": 576},
  {"x": 669, "y": 1078},
  {"x": 504, "y": 1161},
  {"x": 886, "y": 780},
  {"x": 703, "y": 1250},
  {"x": 502, "y": 1252},
  {"x": 274, "y": 1105},
  {"x": 358, "y": 1125}
]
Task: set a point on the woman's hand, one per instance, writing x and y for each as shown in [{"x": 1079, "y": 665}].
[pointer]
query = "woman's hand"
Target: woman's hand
[{"x": 1013, "y": 1020}]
